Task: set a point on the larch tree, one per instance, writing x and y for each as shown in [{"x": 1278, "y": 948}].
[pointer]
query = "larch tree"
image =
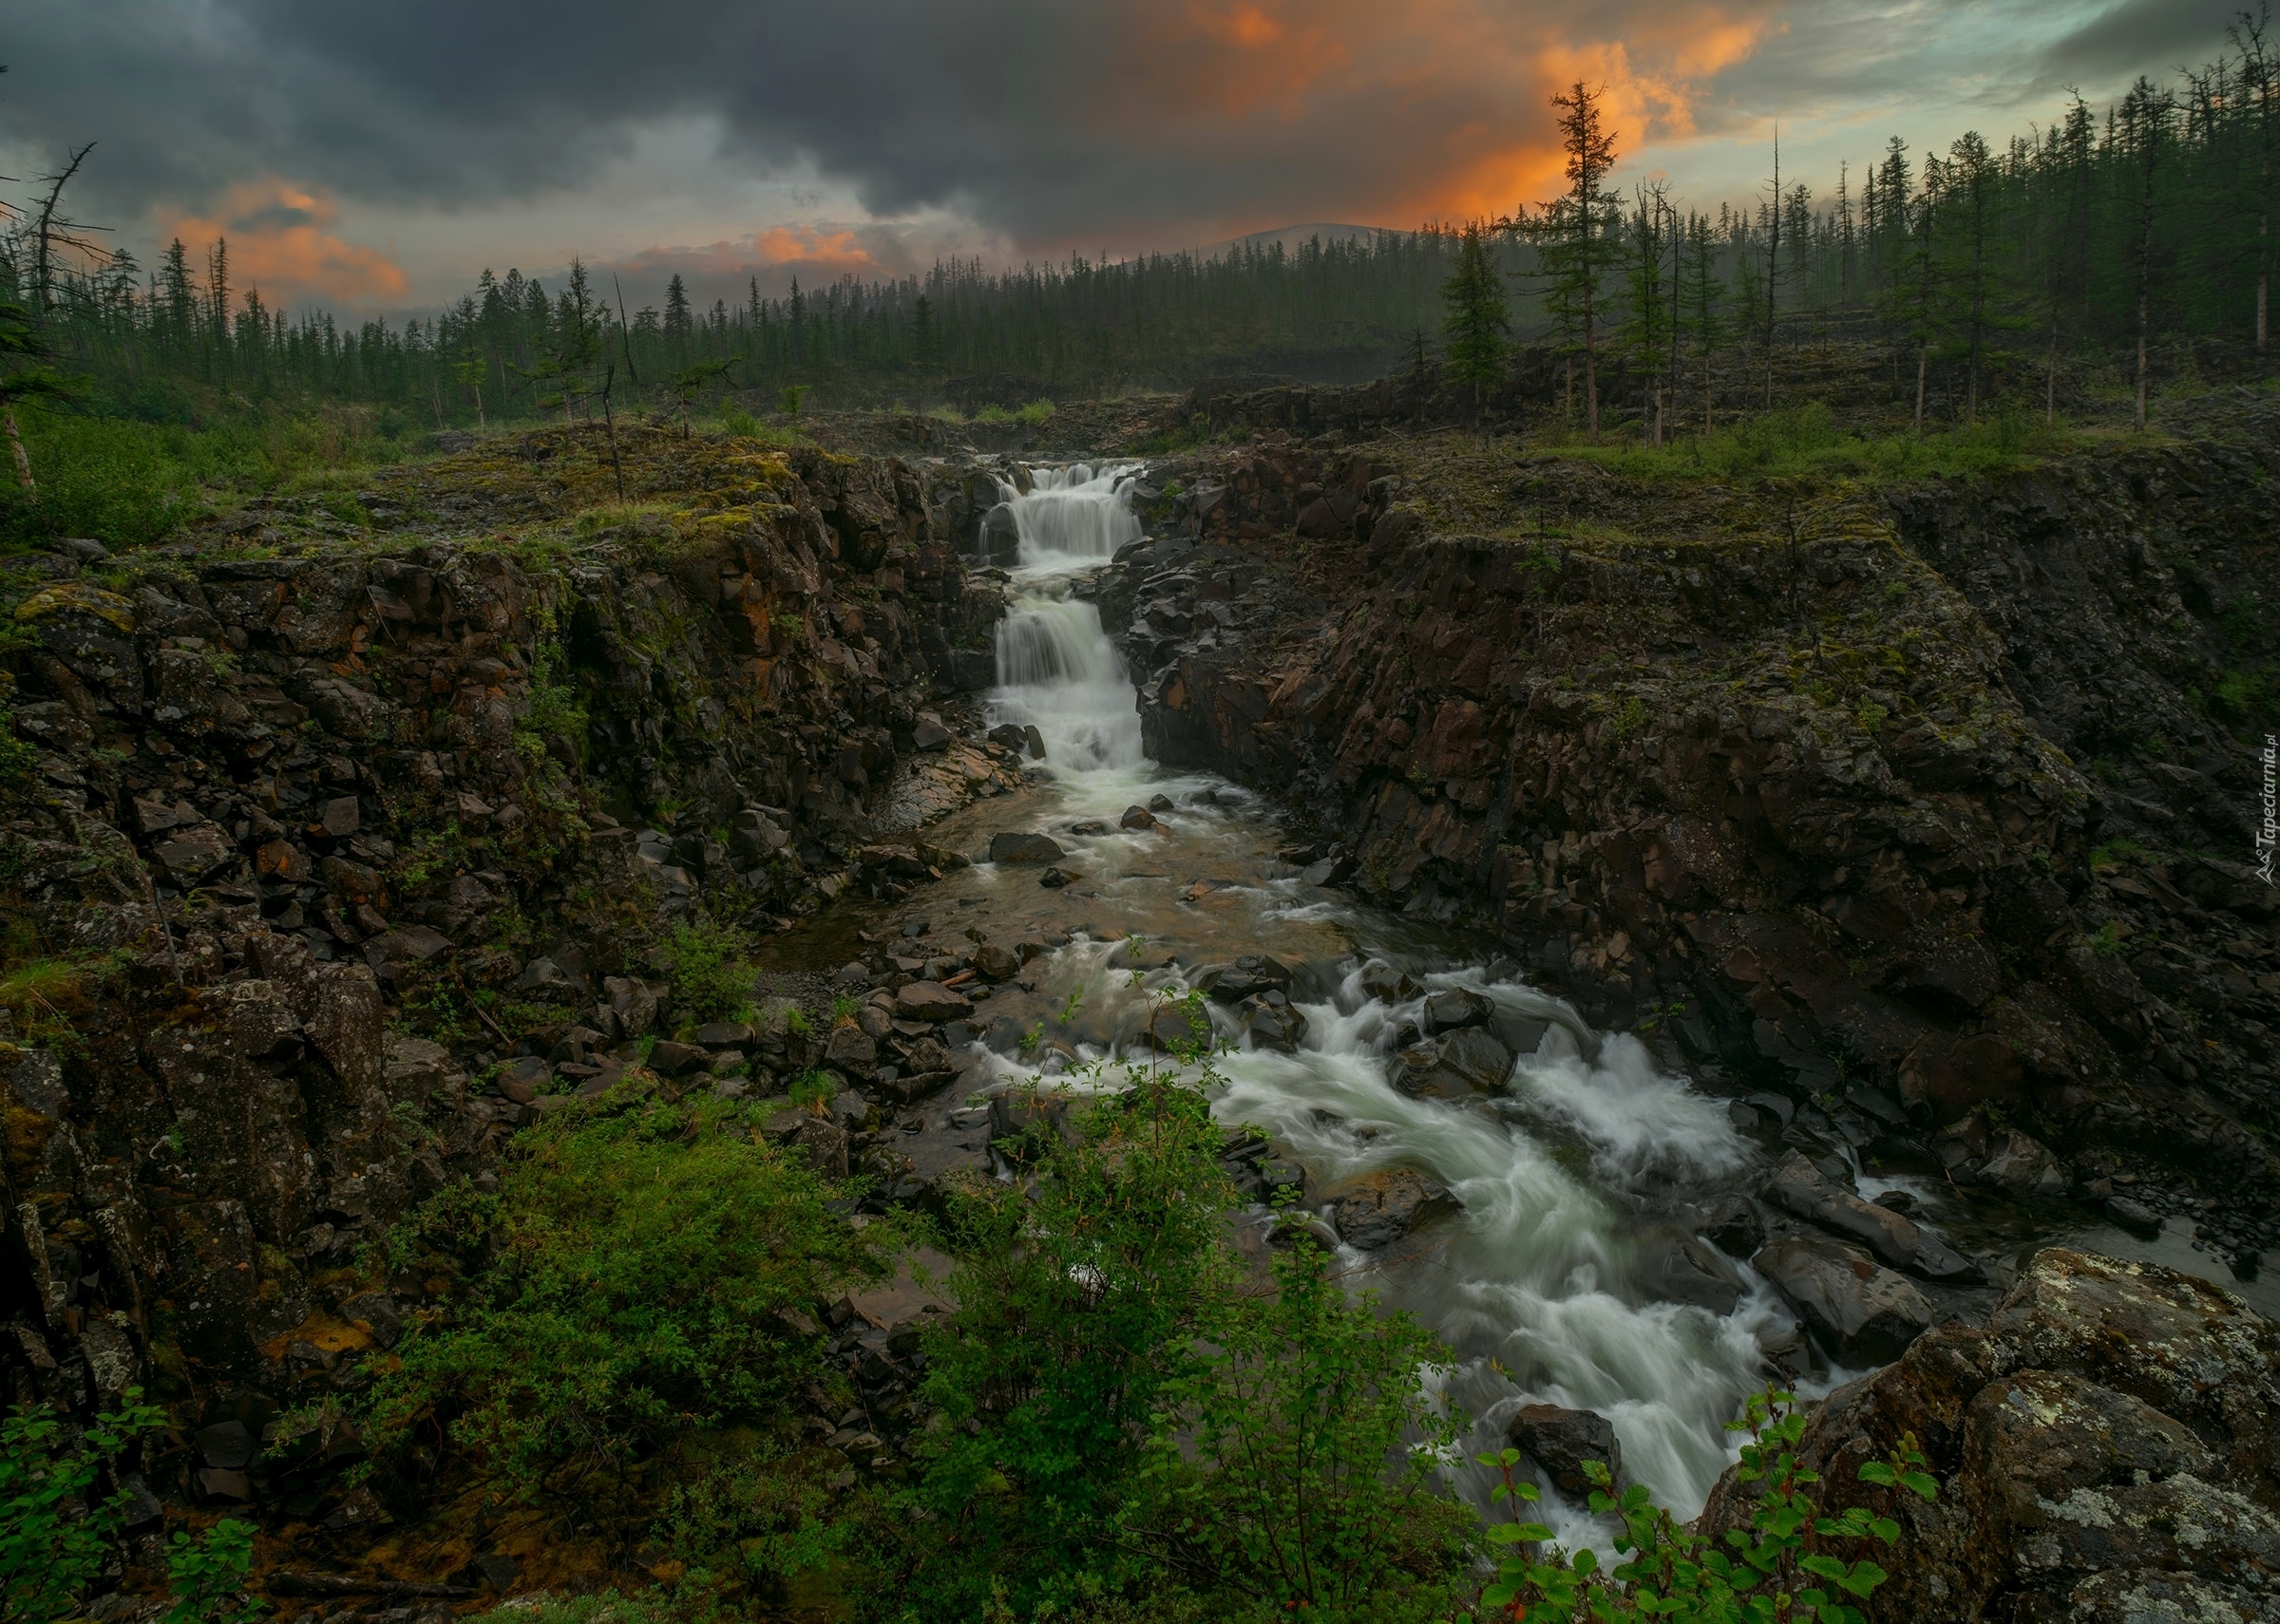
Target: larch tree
[{"x": 1574, "y": 248}]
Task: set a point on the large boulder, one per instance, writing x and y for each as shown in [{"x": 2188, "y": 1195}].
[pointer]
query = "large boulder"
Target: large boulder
[
  {"x": 1373, "y": 1210},
  {"x": 1561, "y": 1441},
  {"x": 1861, "y": 1311},
  {"x": 1472, "y": 1060},
  {"x": 2108, "y": 1446},
  {"x": 1798, "y": 1188}
]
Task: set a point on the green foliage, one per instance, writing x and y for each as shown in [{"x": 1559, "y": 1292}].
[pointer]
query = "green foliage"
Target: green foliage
[
  {"x": 1476, "y": 324},
  {"x": 1630, "y": 718},
  {"x": 1270, "y": 1450},
  {"x": 712, "y": 979},
  {"x": 127, "y": 481},
  {"x": 1806, "y": 442},
  {"x": 793, "y": 395},
  {"x": 53, "y": 1534},
  {"x": 648, "y": 1259},
  {"x": 813, "y": 1089},
  {"x": 608, "y": 1607},
  {"x": 207, "y": 1574},
  {"x": 1779, "y": 1568}
]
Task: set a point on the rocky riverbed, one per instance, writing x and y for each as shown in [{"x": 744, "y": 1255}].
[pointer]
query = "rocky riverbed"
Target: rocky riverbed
[{"x": 1664, "y": 937}]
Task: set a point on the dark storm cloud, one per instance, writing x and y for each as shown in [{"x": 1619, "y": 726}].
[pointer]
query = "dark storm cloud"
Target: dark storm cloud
[
  {"x": 1072, "y": 122},
  {"x": 2146, "y": 36},
  {"x": 1038, "y": 117}
]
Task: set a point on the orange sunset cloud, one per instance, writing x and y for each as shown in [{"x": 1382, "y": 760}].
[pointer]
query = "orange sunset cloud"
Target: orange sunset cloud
[{"x": 278, "y": 243}]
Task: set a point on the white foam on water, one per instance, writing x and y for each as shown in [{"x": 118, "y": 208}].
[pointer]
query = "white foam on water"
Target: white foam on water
[{"x": 1534, "y": 1283}]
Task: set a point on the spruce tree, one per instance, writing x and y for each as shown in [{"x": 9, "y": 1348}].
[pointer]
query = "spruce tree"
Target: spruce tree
[
  {"x": 1476, "y": 330},
  {"x": 1573, "y": 249}
]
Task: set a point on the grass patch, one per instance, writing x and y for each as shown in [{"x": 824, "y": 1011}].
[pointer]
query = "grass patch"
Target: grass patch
[
  {"x": 1806, "y": 441},
  {"x": 129, "y": 482}
]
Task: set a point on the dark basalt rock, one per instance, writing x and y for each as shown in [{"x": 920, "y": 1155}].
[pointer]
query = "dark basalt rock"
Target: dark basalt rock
[
  {"x": 1561, "y": 1441},
  {"x": 2105, "y": 1447}
]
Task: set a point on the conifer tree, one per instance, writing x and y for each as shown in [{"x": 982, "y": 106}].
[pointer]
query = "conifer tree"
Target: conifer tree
[
  {"x": 1477, "y": 324},
  {"x": 1572, "y": 250}
]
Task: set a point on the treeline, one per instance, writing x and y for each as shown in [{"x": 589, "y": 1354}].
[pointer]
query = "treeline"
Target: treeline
[{"x": 2102, "y": 238}]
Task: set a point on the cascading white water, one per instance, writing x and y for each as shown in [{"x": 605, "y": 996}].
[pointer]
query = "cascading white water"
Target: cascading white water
[
  {"x": 1056, "y": 668},
  {"x": 1538, "y": 1285}
]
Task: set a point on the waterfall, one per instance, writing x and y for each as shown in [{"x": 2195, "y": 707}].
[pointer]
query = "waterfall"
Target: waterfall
[
  {"x": 1540, "y": 1286},
  {"x": 1056, "y": 670}
]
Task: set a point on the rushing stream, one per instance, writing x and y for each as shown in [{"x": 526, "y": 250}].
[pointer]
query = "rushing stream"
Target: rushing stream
[
  {"x": 1534, "y": 1283},
  {"x": 1574, "y": 1181}
]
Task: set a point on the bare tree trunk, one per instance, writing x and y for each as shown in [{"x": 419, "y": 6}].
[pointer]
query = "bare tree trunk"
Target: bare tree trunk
[
  {"x": 1923, "y": 357},
  {"x": 15, "y": 444},
  {"x": 610, "y": 421}
]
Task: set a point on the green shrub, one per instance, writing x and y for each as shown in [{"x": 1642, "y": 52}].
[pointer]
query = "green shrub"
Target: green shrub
[
  {"x": 652, "y": 1265},
  {"x": 1270, "y": 1452},
  {"x": 712, "y": 979},
  {"x": 53, "y": 1534},
  {"x": 1766, "y": 1570},
  {"x": 207, "y": 1574}
]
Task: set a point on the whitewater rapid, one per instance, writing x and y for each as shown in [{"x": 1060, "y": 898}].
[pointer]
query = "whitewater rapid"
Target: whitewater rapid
[{"x": 1536, "y": 1285}]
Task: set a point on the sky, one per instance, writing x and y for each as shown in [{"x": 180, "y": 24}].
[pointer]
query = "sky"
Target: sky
[{"x": 374, "y": 158}]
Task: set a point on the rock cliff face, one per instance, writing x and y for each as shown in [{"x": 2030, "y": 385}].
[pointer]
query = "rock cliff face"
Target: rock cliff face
[
  {"x": 2104, "y": 1445},
  {"x": 1934, "y": 805},
  {"x": 324, "y": 841}
]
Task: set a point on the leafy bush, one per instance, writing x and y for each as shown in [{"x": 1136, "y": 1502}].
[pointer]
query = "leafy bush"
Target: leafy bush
[
  {"x": 207, "y": 1574},
  {"x": 1767, "y": 1571},
  {"x": 652, "y": 1266},
  {"x": 712, "y": 979},
  {"x": 53, "y": 1534},
  {"x": 1270, "y": 1456}
]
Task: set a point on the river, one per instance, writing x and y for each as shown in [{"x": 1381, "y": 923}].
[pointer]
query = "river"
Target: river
[{"x": 1575, "y": 1178}]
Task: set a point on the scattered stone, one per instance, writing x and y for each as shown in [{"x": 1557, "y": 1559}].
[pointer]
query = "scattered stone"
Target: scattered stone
[
  {"x": 1159, "y": 803},
  {"x": 2135, "y": 1217},
  {"x": 1024, "y": 848},
  {"x": 1054, "y": 878},
  {"x": 1675, "y": 1267},
  {"x": 670, "y": 1059},
  {"x": 724, "y": 1034},
  {"x": 931, "y": 1002},
  {"x": 1137, "y": 818},
  {"x": 1735, "y": 1225},
  {"x": 929, "y": 734}
]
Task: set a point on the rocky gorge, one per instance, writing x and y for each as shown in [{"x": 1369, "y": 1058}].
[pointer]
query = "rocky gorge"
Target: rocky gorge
[{"x": 1664, "y": 933}]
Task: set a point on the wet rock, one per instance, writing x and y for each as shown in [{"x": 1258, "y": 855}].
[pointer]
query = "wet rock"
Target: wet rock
[
  {"x": 1248, "y": 976},
  {"x": 1024, "y": 848},
  {"x": 1329, "y": 871},
  {"x": 2104, "y": 1447},
  {"x": 1455, "y": 1008},
  {"x": 1273, "y": 1024},
  {"x": 1054, "y": 878},
  {"x": 1675, "y": 1267},
  {"x": 1009, "y": 736},
  {"x": 929, "y": 734},
  {"x": 1797, "y": 1187},
  {"x": 229, "y": 1445},
  {"x": 1735, "y": 1225},
  {"x": 1860, "y": 1310},
  {"x": 1470, "y": 1061},
  {"x": 1136, "y": 817},
  {"x": 1387, "y": 985},
  {"x": 1159, "y": 803},
  {"x": 1373, "y": 1210},
  {"x": 1170, "y": 1025},
  {"x": 996, "y": 963},
  {"x": 931, "y": 1002},
  {"x": 2023, "y": 1166},
  {"x": 2135, "y": 1217},
  {"x": 1561, "y": 1440}
]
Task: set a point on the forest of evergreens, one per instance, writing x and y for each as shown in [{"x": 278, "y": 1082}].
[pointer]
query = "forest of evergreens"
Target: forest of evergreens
[{"x": 1987, "y": 266}]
